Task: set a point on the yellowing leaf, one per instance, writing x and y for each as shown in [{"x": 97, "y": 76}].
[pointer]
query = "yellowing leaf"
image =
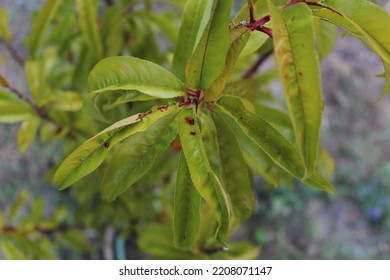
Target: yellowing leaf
[
  {"x": 86, "y": 158},
  {"x": 299, "y": 71}
]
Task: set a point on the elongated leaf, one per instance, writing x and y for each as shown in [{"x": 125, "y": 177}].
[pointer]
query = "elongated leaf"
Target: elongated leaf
[
  {"x": 208, "y": 60},
  {"x": 326, "y": 35},
  {"x": 5, "y": 30},
  {"x": 36, "y": 77},
  {"x": 27, "y": 132},
  {"x": 238, "y": 40},
  {"x": 195, "y": 13},
  {"x": 256, "y": 40},
  {"x": 260, "y": 162},
  {"x": 131, "y": 73},
  {"x": 137, "y": 155},
  {"x": 299, "y": 71},
  {"x": 17, "y": 204},
  {"x": 87, "y": 11},
  {"x": 41, "y": 24},
  {"x": 11, "y": 251},
  {"x": 12, "y": 109},
  {"x": 234, "y": 171},
  {"x": 86, "y": 158},
  {"x": 202, "y": 176},
  {"x": 386, "y": 89},
  {"x": 369, "y": 19},
  {"x": 248, "y": 88},
  {"x": 364, "y": 20},
  {"x": 274, "y": 116},
  {"x": 186, "y": 221},
  {"x": 280, "y": 150}
]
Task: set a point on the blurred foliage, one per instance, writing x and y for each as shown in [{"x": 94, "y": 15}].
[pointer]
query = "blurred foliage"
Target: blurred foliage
[{"x": 67, "y": 39}]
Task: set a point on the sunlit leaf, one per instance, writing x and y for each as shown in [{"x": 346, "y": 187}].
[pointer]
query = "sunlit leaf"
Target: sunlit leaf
[
  {"x": 186, "y": 219},
  {"x": 86, "y": 158},
  {"x": 208, "y": 60},
  {"x": 130, "y": 74},
  {"x": 202, "y": 176},
  {"x": 299, "y": 71},
  {"x": 135, "y": 157}
]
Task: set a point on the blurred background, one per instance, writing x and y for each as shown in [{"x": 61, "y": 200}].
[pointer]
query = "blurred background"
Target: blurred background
[{"x": 287, "y": 224}]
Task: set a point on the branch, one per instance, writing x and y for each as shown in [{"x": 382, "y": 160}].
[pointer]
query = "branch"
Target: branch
[
  {"x": 13, "y": 52},
  {"x": 253, "y": 70},
  {"x": 12, "y": 230}
]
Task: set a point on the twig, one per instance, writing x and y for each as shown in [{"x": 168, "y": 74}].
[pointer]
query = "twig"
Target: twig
[
  {"x": 109, "y": 3},
  {"x": 13, "y": 52},
  {"x": 251, "y": 71}
]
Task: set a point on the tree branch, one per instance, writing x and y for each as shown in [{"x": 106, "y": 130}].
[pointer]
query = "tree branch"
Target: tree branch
[
  {"x": 13, "y": 52},
  {"x": 253, "y": 70}
]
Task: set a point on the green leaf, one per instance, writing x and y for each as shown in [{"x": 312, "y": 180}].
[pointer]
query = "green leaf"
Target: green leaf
[
  {"x": 5, "y": 30},
  {"x": 208, "y": 60},
  {"x": 134, "y": 74},
  {"x": 369, "y": 19},
  {"x": 86, "y": 158},
  {"x": 238, "y": 40},
  {"x": 41, "y": 24},
  {"x": 202, "y": 176},
  {"x": 156, "y": 240},
  {"x": 165, "y": 25},
  {"x": 274, "y": 116},
  {"x": 253, "y": 155},
  {"x": 195, "y": 14},
  {"x": 11, "y": 251},
  {"x": 88, "y": 16},
  {"x": 326, "y": 35},
  {"x": 386, "y": 89},
  {"x": 365, "y": 21},
  {"x": 17, "y": 204},
  {"x": 248, "y": 88},
  {"x": 256, "y": 40},
  {"x": 36, "y": 77},
  {"x": 299, "y": 71},
  {"x": 269, "y": 140},
  {"x": 186, "y": 221},
  {"x": 12, "y": 109},
  {"x": 234, "y": 171},
  {"x": 136, "y": 156},
  {"x": 27, "y": 132}
]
